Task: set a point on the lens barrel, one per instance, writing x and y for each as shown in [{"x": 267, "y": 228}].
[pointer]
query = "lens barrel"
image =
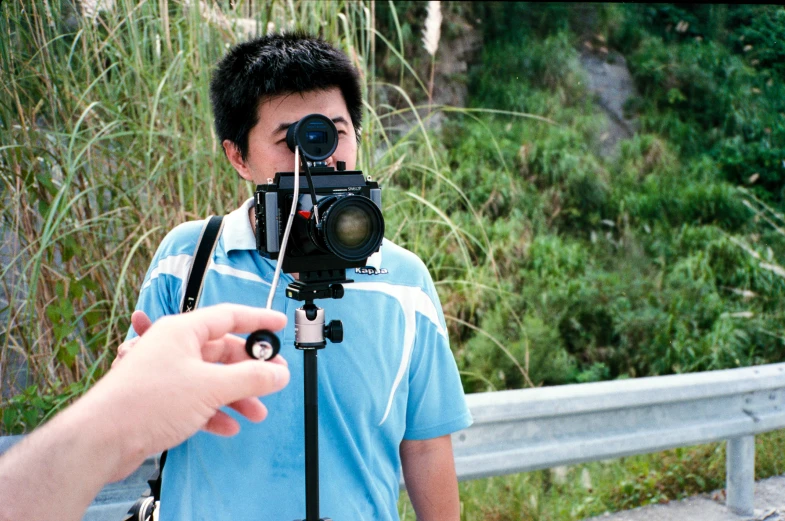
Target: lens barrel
[{"x": 352, "y": 227}]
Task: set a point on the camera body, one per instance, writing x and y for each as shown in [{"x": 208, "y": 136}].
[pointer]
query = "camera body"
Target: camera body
[
  {"x": 306, "y": 249},
  {"x": 337, "y": 223}
]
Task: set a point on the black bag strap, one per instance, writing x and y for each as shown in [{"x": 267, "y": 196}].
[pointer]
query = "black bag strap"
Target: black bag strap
[
  {"x": 155, "y": 479},
  {"x": 205, "y": 247},
  {"x": 204, "y": 252}
]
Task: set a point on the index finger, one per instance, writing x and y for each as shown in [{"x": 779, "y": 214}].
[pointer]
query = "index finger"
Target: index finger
[{"x": 213, "y": 322}]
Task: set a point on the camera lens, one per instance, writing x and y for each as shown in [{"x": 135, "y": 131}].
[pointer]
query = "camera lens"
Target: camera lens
[{"x": 353, "y": 227}]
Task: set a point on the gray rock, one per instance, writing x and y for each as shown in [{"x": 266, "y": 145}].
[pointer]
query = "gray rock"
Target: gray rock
[{"x": 611, "y": 84}]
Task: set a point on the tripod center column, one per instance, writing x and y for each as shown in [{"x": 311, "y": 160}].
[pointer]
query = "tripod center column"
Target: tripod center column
[{"x": 309, "y": 337}]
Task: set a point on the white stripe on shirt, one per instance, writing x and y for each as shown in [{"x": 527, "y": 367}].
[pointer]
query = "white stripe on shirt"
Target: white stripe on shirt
[
  {"x": 176, "y": 265},
  {"x": 413, "y": 300}
]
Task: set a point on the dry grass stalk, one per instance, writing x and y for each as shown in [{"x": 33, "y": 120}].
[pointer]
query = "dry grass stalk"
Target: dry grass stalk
[
  {"x": 432, "y": 33},
  {"x": 91, "y": 8}
]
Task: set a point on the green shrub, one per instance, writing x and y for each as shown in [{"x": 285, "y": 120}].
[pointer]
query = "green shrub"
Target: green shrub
[
  {"x": 514, "y": 353},
  {"x": 757, "y": 32},
  {"x": 530, "y": 64},
  {"x": 678, "y": 201},
  {"x": 724, "y": 100}
]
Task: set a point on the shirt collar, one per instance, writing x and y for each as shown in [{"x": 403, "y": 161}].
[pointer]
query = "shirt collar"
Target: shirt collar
[{"x": 238, "y": 234}]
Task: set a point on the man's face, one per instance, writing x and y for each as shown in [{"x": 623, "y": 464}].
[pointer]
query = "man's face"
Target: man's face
[{"x": 267, "y": 149}]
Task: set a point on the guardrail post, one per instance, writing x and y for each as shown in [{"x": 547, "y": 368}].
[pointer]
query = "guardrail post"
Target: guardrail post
[{"x": 740, "y": 477}]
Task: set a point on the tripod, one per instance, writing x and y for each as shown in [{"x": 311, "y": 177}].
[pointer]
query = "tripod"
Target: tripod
[{"x": 310, "y": 333}]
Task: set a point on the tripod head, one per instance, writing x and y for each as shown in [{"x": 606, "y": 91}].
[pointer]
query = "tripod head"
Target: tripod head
[
  {"x": 321, "y": 284},
  {"x": 264, "y": 345}
]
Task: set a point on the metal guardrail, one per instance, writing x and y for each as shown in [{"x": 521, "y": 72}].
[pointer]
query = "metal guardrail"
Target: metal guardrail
[
  {"x": 524, "y": 430},
  {"x": 530, "y": 429}
]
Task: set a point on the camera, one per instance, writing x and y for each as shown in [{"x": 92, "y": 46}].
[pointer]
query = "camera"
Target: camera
[{"x": 338, "y": 221}]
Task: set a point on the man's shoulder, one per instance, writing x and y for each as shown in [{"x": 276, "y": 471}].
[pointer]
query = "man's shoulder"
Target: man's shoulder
[
  {"x": 398, "y": 257},
  {"x": 181, "y": 239},
  {"x": 396, "y": 265}
]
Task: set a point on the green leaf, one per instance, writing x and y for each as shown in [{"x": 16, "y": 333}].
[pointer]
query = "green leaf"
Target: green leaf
[
  {"x": 69, "y": 248},
  {"x": 43, "y": 207},
  {"x": 73, "y": 348},
  {"x": 64, "y": 354},
  {"x": 53, "y": 313},
  {"x": 77, "y": 287},
  {"x": 10, "y": 419},
  {"x": 31, "y": 417},
  {"x": 38, "y": 403},
  {"x": 46, "y": 182},
  {"x": 675, "y": 96}
]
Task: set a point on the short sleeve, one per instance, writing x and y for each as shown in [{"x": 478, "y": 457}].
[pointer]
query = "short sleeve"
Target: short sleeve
[
  {"x": 162, "y": 287},
  {"x": 436, "y": 404}
]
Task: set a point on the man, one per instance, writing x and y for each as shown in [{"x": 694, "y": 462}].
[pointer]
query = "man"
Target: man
[
  {"x": 166, "y": 390},
  {"x": 389, "y": 395}
]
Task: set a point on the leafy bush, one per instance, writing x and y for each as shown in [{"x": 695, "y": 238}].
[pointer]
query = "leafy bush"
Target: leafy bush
[
  {"x": 514, "y": 352},
  {"x": 677, "y": 201},
  {"x": 529, "y": 64},
  {"x": 627, "y": 267},
  {"x": 725, "y": 100}
]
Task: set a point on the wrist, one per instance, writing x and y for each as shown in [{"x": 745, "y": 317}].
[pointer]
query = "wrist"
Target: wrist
[{"x": 116, "y": 446}]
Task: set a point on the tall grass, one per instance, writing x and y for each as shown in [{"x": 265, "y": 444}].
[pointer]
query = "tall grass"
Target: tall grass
[{"x": 107, "y": 142}]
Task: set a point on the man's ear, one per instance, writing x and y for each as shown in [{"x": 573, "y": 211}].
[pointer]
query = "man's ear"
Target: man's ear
[{"x": 236, "y": 159}]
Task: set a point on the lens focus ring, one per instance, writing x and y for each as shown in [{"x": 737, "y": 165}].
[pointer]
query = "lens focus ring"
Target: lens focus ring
[{"x": 352, "y": 227}]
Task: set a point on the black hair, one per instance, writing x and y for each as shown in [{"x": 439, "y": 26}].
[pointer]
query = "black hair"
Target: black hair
[{"x": 273, "y": 65}]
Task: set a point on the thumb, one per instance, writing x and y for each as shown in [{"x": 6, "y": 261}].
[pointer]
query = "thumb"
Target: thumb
[
  {"x": 247, "y": 379},
  {"x": 140, "y": 322}
]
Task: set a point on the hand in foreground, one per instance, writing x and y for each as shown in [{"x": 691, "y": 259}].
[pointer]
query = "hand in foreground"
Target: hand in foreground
[
  {"x": 167, "y": 388},
  {"x": 170, "y": 384}
]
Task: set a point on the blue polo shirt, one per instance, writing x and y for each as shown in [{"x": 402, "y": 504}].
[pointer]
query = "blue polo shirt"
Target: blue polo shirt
[{"x": 392, "y": 378}]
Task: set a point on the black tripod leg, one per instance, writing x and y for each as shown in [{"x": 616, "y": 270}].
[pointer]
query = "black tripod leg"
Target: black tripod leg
[{"x": 311, "y": 435}]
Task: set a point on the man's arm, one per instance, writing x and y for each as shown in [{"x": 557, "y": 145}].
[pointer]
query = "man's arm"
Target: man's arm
[
  {"x": 57, "y": 470},
  {"x": 429, "y": 472}
]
